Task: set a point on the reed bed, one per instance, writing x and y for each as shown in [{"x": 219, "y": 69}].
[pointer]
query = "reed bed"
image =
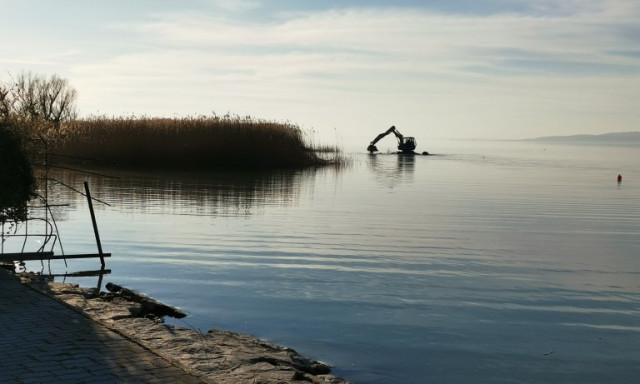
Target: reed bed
[{"x": 202, "y": 141}]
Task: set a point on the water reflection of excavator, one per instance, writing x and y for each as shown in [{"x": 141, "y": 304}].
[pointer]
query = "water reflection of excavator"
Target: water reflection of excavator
[{"x": 406, "y": 144}]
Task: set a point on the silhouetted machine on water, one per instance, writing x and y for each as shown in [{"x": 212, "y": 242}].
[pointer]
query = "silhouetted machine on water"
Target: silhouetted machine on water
[{"x": 406, "y": 144}]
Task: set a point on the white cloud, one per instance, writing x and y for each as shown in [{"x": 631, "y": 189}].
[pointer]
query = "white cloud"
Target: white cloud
[
  {"x": 398, "y": 36},
  {"x": 235, "y": 5},
  {"x": 361, "y": 67}
]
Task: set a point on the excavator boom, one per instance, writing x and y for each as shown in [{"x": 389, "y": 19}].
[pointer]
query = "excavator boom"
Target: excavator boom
[{"x": 388, "y": 131}]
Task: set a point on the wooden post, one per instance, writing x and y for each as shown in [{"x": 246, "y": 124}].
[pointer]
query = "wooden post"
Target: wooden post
[{"x": 93, "y": 221}]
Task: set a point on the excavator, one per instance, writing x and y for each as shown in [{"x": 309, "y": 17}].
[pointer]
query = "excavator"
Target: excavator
[{"x": 406, "y": 144}]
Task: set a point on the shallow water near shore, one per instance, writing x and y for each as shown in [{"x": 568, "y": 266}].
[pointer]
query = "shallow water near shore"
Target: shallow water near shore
[{"x": 488, "y": 262}]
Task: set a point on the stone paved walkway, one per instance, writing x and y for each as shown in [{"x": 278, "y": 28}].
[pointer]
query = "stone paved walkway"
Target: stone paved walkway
[{"x": 44, "y": 341}]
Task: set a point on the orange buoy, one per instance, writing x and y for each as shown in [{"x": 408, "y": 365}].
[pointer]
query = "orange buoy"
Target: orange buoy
[{"x": 619, "y": 178}]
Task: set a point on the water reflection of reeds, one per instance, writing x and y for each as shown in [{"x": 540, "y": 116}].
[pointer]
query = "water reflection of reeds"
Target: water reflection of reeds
[{"x": 199, "y": 193}]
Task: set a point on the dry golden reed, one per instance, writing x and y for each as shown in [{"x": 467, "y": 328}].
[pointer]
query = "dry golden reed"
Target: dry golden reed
[{"x": 201, "y": 141}]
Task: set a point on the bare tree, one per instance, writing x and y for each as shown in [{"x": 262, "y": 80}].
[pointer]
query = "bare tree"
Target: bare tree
[
  {"x": 6, "y": 103},
  {"x": 25, "y": 95},
  {"x": 41, "y": 98},
  {"x": 56, "y": 100}
]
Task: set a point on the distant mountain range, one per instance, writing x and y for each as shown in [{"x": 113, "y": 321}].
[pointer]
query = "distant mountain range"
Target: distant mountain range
[{"x": 616, "y": 137}]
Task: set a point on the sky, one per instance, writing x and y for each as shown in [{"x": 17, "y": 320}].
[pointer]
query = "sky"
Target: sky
[{"x": 344, "y": 71}]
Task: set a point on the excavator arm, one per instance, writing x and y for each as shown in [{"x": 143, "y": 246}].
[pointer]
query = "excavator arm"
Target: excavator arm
[{"x": 372, "y": 147}]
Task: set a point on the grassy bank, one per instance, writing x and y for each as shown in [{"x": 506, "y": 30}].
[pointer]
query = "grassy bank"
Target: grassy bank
[{"x": 191, "y": 141}]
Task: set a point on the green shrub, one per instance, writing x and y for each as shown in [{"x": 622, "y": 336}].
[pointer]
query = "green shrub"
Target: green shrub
[{"x": 16, "y": 176}]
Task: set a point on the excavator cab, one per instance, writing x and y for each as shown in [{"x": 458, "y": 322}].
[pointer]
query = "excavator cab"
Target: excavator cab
[{"x": 407, "y": 144}]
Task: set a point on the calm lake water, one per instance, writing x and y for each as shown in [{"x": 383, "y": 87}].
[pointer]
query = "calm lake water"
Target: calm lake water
[{"x": 491, "y": 262}]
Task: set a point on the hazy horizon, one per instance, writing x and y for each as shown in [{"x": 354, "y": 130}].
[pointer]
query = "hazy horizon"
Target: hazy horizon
[{"x": 344, "y": 70}]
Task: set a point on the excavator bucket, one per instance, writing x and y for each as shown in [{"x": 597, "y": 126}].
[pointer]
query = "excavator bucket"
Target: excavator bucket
[{"x": 372, "y": 148}]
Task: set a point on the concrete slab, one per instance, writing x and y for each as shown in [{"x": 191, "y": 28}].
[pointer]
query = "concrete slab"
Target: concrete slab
[{"x": 44, "y": 341}]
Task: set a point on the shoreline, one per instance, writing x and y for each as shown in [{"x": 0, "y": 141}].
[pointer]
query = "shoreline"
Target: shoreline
[{"x": 218, "y": 356}]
